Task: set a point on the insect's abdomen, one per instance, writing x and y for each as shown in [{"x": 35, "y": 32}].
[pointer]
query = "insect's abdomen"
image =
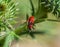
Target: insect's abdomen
[{"x": 31, "y": 22}]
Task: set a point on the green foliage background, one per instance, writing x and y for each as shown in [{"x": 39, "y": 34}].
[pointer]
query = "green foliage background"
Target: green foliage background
[{"x": 23, "y": 8}]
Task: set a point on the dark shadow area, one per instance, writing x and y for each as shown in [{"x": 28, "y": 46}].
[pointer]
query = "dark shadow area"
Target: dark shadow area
[
  {"x": 2, "y": 42},
  {"x": 32, "y": 33}
]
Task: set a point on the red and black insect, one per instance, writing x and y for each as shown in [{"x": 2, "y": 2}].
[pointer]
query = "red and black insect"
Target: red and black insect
[
  {"x": 31, "y": 19},
  {"x": 31, "y": 22}
]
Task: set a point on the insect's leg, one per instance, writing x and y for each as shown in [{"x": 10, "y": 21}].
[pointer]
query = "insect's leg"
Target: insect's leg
[{"x": 34, "y": 26}]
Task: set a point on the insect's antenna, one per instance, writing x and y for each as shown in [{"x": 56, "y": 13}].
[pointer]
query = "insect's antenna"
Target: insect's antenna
[{"x": 32, "y": 8}]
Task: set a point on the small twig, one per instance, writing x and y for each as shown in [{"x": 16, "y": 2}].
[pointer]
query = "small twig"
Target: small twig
[{"x": 53, "y": 20}]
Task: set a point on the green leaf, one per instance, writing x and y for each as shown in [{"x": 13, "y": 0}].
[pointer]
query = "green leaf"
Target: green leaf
[
  {"x": 9, "y": 39},
  {"x": 7, "y": 1}
]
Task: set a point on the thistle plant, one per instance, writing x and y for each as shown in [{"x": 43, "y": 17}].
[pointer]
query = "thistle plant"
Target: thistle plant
[
  {"x": 52, "y": 6},
  {"x": 7, "y": 16},
  {"x": 7, "y": 13}
]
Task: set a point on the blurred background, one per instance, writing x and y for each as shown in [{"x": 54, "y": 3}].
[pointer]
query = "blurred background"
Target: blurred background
[
  {"x": 51, "y": 29},
  {"x": 51, "y": 38}
]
